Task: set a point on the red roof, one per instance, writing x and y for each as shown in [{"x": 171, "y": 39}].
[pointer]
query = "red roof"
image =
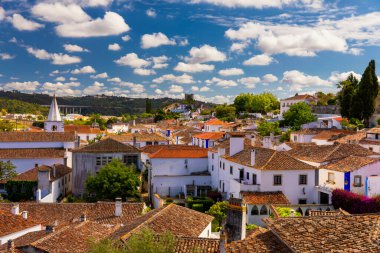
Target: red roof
[
  {"x": 82, "y": 129},
  {"x": 210, "y": 136},
  {"x": 175, "y": 151},
  {"x": 300, "y": 97},
  {"x": 215, "y": 122}
]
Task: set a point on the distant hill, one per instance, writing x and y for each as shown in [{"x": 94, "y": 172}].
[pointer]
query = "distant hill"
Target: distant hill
[
  {"x": 105, "y": 105},
  {"x": 17, "y": 106}
]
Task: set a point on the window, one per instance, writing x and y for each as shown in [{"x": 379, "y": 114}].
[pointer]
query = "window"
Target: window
[
  {"x": 264, "y": 210},
  {"x": 331, "y": 178},
  {"x": 370, "y": 148},
  {"x": 254, "y": 179},
  {"x": 130, "y": 159},
  {"x": 220, "y": 164},
  {"x": 212, "y": 156},
  {"x": 156, "y": 143},
  {"x": 231, "y": 170},
  {"x": 357, "y": 181},
  {"x": 148, "y": 143},
  {"x": 103, "y": 160},
  {"x": 224, "y": 166},
  {"x": 295, "y": 138},
  {"x": 302, "y": 180},
  {"x": 302, "y": 201},
  {"x": 247, "y": 176},
  {"x": 255, "y": 210},
  {"x": 277, "y": 180},
  {"x": 212, "y": 167}
]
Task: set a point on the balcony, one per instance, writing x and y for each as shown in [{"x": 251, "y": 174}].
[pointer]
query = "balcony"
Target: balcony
[{"x": 239, "y": 185}]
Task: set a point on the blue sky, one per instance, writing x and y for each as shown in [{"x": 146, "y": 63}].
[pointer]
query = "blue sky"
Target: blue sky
[{"x": 215, "y": 49}]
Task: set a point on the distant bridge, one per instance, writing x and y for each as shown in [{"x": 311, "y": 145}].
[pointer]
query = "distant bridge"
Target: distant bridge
[{"x": 70, "y": 109}]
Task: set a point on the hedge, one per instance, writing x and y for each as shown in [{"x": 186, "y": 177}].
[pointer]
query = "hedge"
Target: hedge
[
  {"x": 205, "y": 201},
  {"x": 198, "y": 207},
  {"x": 21, "y": 190},
  {"x": 354, "y": 203}
]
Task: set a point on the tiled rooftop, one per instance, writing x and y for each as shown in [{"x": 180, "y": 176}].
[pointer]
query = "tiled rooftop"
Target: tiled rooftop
[
  {"x": 181, "y": 221},
  {"x": 326, "y": 153},
  {"x": 11, "y": 223},
  {"x": 108, "y": 145},
  {"x": 342, "y": 233},
  {"x": 66, "y": 213},
  {"x": 22, "y": 153},
  {"x": 82, "y": 129},
  {"x": 37, "y": 137},
  {"x": 350, "y": 163},
  {"x": 139, "y": 137},
  {"x": 210, "y": 136},
  {"x": 264, "y": 198},
  {"x": 260, "y": 241},
  {"x": 215, "y": 122},
  {"x": 332, "y": 134},
  {"x": 175, "y": 151}
]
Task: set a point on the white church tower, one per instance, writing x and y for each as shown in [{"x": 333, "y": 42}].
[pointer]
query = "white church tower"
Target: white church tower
[{"x": 54, "y": 122}]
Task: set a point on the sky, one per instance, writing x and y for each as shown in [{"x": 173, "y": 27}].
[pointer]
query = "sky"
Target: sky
[{"x": 215, "y": 49}]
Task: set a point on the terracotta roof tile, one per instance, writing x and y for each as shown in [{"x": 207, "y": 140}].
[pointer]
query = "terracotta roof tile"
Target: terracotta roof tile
[
  {"x": 269, "y": 159},
  {"x": 181, "y": 221},
  {"x": 139, "y": 137},
  {"x": 175, "y": 151},
  {"x": 260, "y": 241},
  {"x": 66, "y": 213},
  {"x": 264, "y": 198},
  {"x": 375, "y": 130},
  {"x": 25, "y": 153},
  {"x": 37, "y": 137},
  {"x": 326, "y": 153},
  {"x": 11, "y": 223},
  {"x": 332, "y": 134},
  {"x": 341, "y": 233},
  {"x": 108, "y": 145},
  {"x": 210, "y": 136},
  {"x": 215, "y": 122},
  {"x": 350, "y": 163},
  {"x": 82, "y": 129}
]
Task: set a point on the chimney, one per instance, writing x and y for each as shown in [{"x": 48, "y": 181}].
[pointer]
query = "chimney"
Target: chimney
[
  {"x": 134, "y": 141},
  {"x": 16, "y": 209},
  {"x": 236, "y": 143},
  {"x": 36, "y": 165},
  {"x": 253, "y": 157},
  {"x": 54, "y": 171},
  {"x": 267, "y": 142},
  {"x": 24, "y": 215},
  {"x": 118, "y": 207},
  {"x": 236, "y": 220},
  {"x": 134, "y": 123},
  {"x": 222, "y": 241},
  {"x": 292, "y": 213},
  {"x": 50, "y": 228},
  {"x": 83, "y": 217},
  {"x": 11, "y": 246},
  {"x": 221, "y": 151}
]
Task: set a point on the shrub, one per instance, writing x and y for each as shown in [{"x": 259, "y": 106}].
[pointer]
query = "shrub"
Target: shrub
[
  {"x": 205, "y": 201},
  {"x": 286, "y": 211},
  {"x": 354, "y": 203},
  {"x": 250, "y": 227},
  {"x": 168, "y": 201},
  {"x": 198, "y": 207}
]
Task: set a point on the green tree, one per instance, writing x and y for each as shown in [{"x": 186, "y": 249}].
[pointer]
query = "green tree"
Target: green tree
[
  {"x": 262, "y": 103},
  {"x": 7, "y": 170},
  {"x": 225, "y": 112},
  {"x": 6, "y": 126},
  {"x": 266, "y": 128},
  {"x": 325, "y": 99},
  {"x": 114, "y": 180},
  {"x": 144, "y": 241},
  {"x": 368, "y": 91},
  {"x": 98, "y": 119},
  {"x": 242, "y": 102},
  {"x": 148, "y": 105},
  {"x": 298, "y": 114},
  {"x": 219, "y": 211},
  {"x": 346, "y": 96}
]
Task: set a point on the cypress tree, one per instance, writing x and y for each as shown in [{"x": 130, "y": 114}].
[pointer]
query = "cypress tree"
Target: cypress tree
[
  {"x": 346, "y": 96},
  {"x": 367, "y": 92}
]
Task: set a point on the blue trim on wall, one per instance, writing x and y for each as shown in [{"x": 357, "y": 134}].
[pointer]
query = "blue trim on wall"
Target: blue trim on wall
[
  {"x": 347, "y": 181},
  {"x": 366, "y": 186}
]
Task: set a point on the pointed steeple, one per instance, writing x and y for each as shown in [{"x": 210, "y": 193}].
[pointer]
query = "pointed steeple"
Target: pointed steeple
[{"x": 54, "y": 114}]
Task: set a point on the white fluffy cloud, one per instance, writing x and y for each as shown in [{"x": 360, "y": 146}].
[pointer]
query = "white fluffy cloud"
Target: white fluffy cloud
[
  {"x": 136, "y": 88},
  {"x": 250, "y": 82},
  {"x": 84, "y": 70},
  {"x": 261, "y": 4},
  {"x": 336, "y": 76},
  {"x": 193, "y": 67},
  {"x": 259, "y": 60},
  {"x": 126, "y": 38},
  {"x": 2, "y": 13},
  {"x": 144, "y": 72},
  {"x": 269, "y": 78},
  {"x": 160, "y": 62},
  {"x": 132, "y": 60},
  {"x": 231, "y": 72},
  {"x": 6, "y": 56},
  {"x": 62, "y": 89},
  {"x": 183, "y": 79},
  {"x": 101, "y": 75},
  {"x": 21, "y": 86},
  {"x": 93, "y": 89},
  {"x": 111, "y": 24},
  {"x": 115, "y": 80},
  {"x": 222, "y": 82},
  {"x": 60, "y": 13},
  {"x": 205, "y": 53},
  {"x": 56, "y": 58},
  {"x": 114, "y": 47},
  {"x": 23, "y": 24},
  {"x": 203, "y": 89},
  {"x": 298, "y": 80},
  {"x": 175, "y": 89},
  {"x": 60, "y": 79},
  {"x": 238, "y": 46},
  {"x": 156, "y": 40},
  {"x": 74, "y": 48},
  {"x": 151, "y": 13}
]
